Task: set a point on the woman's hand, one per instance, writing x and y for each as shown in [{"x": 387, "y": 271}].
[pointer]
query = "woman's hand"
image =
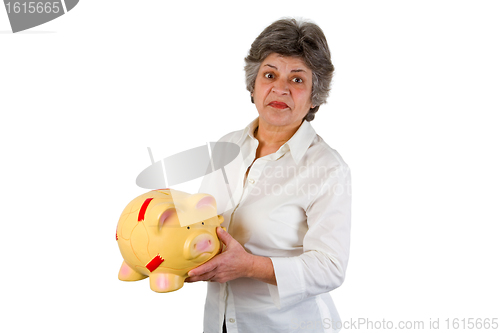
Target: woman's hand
[{"x": 234, "y": 262}]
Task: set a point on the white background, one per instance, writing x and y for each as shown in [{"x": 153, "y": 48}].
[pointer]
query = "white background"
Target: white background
[{"x": 413, "y": 111}]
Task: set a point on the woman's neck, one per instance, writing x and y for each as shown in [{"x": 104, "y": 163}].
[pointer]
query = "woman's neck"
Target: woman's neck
[
  {"x": 274, "y": 135},
  {"x": 271, "y": 138}
]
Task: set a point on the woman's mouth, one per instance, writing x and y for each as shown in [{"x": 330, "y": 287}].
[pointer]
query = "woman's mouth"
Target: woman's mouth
[{"x": 278, "y": 105}]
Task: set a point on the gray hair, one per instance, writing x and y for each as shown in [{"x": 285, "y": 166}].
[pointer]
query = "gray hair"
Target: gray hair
[{"x": 291, "y": 38}]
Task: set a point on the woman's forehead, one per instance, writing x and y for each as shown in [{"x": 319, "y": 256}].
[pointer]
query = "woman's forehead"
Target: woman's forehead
[{"x": 285, "y": 63}]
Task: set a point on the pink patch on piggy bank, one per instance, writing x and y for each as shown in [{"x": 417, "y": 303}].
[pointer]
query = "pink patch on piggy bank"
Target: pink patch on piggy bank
[
  {"x": 162, "y": 282},
  {"x": 206, "y": 201},
  {"x": 153, "y": 243},
  {"x": 202, "y": 244}
]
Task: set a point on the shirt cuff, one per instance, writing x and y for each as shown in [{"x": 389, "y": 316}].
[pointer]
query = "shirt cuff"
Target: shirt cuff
[{"x": 290, "y": 287}]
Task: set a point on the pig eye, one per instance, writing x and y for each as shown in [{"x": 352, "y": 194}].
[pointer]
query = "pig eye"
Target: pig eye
[
  {"x": 202, "y": 223},
  {"x": 189, "y": 228}
]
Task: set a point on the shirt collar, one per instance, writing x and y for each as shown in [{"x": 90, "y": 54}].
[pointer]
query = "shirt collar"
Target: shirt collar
[
  {"x": 297, "y": 144},
  {"x": 301, "y": 140}
]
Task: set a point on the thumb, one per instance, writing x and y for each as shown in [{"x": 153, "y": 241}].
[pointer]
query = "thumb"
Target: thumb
[{"x": 224, "y": 236}]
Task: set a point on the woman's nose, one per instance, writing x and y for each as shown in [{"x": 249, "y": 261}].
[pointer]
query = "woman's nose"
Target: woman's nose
[{"x": 280, "y": 87}]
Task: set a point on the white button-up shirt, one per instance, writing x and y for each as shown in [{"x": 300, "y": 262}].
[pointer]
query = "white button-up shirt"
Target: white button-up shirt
[{"x": 295, "y": 208}]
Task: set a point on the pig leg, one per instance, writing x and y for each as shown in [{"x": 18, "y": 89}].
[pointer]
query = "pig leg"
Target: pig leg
[
  {"x": 127, "y": 273},
  {"x": 165, "y": 282}
]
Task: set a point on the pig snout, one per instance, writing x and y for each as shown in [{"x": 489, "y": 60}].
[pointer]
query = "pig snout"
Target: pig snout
[{"x": 204, "y": 243}]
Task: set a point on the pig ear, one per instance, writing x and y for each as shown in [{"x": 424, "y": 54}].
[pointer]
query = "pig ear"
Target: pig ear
[
  {"x": 167, "y": 218},
  {"x": 205, "y": 202}
]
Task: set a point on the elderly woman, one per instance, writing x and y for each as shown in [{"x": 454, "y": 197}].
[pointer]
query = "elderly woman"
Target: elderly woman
[{"x": 287, "y": 243}]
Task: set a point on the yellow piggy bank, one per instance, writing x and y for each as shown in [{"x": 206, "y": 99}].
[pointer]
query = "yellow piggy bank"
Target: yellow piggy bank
[{"x": 164, "y": 234}]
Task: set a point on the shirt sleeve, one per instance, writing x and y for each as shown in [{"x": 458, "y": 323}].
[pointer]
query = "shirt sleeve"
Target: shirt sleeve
[{"x": 321, "y": 268}]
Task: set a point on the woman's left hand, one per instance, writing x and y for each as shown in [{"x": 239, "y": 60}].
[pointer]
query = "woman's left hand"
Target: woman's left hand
[{"x": 234, "y": 262}]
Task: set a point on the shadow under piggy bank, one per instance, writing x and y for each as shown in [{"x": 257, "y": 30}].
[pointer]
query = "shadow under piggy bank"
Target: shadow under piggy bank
[{"x": 164, "y": 234}]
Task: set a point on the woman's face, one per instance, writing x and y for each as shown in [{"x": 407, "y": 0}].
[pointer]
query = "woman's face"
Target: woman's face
[{"x": 282, "y": 91}]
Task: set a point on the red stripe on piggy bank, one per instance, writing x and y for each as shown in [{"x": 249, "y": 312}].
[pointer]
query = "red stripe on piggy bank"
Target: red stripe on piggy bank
[{"x": 164, "y": 234}]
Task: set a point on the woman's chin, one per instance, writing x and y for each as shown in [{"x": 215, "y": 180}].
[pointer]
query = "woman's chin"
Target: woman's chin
[
  {"x": 278, "y": 120},
  {"x": 276, "y": 117}
]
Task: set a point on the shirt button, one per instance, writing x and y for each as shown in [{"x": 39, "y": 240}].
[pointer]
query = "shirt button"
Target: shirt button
[
  {"x": 231, "y": 320},
  {"x": 251, "y": 181}
]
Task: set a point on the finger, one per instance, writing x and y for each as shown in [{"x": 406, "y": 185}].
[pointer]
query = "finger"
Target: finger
[
  {"x": 224, "y": 236},
  {"x": 207, "y": 277},
  {"x": 204, "y": 277},
  {"x": 203, "y": 269},
  {"x": 195, "y": 279}
]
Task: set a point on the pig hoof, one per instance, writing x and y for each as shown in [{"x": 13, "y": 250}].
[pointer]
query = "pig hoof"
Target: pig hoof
[
  {"x": 164, "y": 282},
  {"x": 129, "y": 274}
]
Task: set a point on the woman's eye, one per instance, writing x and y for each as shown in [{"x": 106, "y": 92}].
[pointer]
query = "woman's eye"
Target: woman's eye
[
  {"x": 297, "y": 80},
  {"x": 268, "y": 75}
]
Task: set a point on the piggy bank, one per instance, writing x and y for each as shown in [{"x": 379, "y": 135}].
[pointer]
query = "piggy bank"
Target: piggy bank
[{"x": 164, "y": 234}]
